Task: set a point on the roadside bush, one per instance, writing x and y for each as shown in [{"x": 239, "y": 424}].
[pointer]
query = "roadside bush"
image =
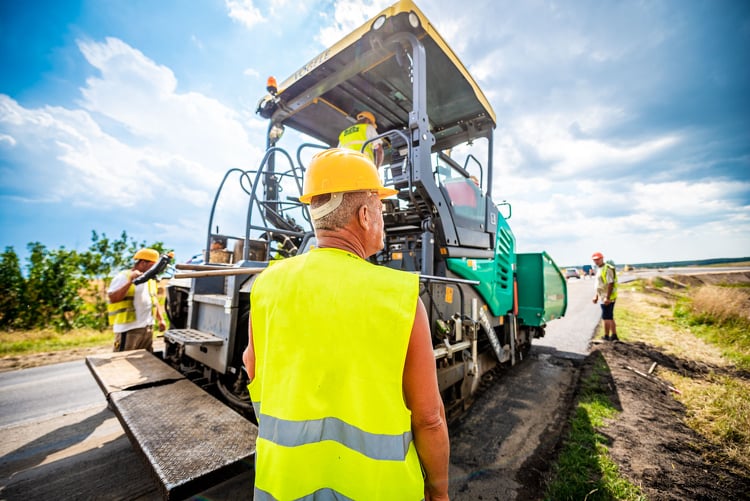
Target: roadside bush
[{"x": 12, "y": 285}]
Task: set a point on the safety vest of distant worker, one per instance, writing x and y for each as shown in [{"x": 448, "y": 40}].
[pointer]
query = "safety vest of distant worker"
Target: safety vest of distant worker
[
  {"x": 123, "y": 311},
  {"x": 333, "y": 411},
  {"x": 602, "y": 277},
  {"x": 355, "y": 136}
]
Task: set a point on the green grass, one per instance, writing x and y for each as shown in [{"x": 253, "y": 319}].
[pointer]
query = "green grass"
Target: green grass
[
  {"x": 728, "y": 331},
  {"x": 658, "y": 282},
  {"x": 732, "y": 339},
  {"x": 30, "y": 342},
  {"x": 584, "y": 469}
]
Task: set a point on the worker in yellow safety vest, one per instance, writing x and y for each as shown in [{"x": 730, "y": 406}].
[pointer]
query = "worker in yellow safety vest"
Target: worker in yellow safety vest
[
  {"x": 131, "y": 308},
  {"x": 355, "y": 136},
  {"x": 605, "y": 293},
  {"x": 342, "y": 372}
]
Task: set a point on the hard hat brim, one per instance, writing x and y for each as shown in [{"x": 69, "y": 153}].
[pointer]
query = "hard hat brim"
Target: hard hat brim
[{"x": 382, "y": 193}]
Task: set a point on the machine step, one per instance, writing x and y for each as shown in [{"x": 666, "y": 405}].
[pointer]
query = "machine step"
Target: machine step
[
  {"x": 191, "y": 336},
  {"x": 191, "y": 440}
]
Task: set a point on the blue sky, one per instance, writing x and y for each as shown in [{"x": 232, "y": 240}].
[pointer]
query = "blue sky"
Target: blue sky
[{"x": 623, "y": 126}]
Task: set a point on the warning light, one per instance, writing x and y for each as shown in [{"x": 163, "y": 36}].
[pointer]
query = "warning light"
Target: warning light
[{"x": 271, "y": 86}]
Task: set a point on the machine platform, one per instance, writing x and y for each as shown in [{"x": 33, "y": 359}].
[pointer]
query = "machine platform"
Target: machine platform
[
  {"x": 192, "y": 336},
  {"x": 191, "y": 440}
]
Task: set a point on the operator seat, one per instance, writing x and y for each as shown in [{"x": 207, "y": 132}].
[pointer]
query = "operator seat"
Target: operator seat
[{"x": 463, "y": 193}]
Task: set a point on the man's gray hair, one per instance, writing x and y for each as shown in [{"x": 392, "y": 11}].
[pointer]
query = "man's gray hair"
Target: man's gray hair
[{"x": 343, "y": 214}]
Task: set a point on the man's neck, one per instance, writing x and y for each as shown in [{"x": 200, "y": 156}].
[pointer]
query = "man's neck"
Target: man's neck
[{"x": 343, "y": 239}]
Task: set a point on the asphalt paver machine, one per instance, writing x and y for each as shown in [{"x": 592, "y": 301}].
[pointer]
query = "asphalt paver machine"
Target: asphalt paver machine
[{"x": 485, "y": 301}]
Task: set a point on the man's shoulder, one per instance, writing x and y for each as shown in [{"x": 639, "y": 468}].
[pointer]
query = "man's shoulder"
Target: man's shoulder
[
  {"x": 119, "y": 279},
  {"x": 281, "y": 265},
  {"x": 391, "y": 275}
]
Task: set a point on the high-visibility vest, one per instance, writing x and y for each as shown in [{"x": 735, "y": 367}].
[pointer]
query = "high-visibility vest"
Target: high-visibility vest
[
  {"x": 603, "y": 279},
  {"x": 123, "y": 311},
  {"x": 330, "y": 334},
  {"x": 354, "y": 137}
]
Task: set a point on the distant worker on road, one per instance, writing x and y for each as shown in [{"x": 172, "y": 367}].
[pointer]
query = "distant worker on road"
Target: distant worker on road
[
  {"x": 605, "y": 289},
  {"x": 355, "y": 136},
  {"x": 343, "y": 377},
  {"x": 131, "y": 307}
]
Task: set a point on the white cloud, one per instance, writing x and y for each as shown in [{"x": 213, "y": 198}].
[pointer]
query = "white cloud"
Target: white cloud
[
  {"x": 347, "y": 16},
  {"x": 559, "y": 140},
  {"x": 142, "y": 96},
  {"x": 134, "y": 139},
  {"x": 245, "y": 12},
  {"x": 702, "y": 200},
  {"x": 10, "y": 140},
  {"x": 639, "y": 223}
]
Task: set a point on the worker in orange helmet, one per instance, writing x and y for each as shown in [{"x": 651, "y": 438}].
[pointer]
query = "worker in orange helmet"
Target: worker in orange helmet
[
  {"x": 131, "y": 308},
  {"x": 339, "y": 356},
  {"x": 364, "y": 129},
  {"x": 605, "y": 292}
]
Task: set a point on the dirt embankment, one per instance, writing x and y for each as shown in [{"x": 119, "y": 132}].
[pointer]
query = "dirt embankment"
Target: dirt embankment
[
  {"x": 649, "y": 440},
  {"x": 17, "y": 362},
  {"x": 13, "y": 363}
]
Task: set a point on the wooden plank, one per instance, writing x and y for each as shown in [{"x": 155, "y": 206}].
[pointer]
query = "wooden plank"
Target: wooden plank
[{"x": 219, "y": 273}]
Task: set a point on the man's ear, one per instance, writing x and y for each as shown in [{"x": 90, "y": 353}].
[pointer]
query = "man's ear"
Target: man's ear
[{"x": 364, "y": 217}]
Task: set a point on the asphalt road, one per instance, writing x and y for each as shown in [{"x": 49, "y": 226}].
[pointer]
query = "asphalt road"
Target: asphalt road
[
  {"x": 35, "y": 394},
  {"x": 569, "y": 337},
  {"x": 61, "y": 442}
]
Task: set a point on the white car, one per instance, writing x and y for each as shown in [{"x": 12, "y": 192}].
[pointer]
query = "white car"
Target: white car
[{"x": 572, "y": 273}]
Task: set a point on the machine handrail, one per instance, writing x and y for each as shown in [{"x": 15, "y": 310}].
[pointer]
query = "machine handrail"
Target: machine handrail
[{"x": 253, "y": 196}]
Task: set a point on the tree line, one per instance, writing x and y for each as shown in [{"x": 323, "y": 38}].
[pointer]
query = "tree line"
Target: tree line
[{"x": 63, "y": 289}]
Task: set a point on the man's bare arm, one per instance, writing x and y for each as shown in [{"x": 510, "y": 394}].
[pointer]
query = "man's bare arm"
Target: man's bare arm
[{"x": 422, "y": 397}]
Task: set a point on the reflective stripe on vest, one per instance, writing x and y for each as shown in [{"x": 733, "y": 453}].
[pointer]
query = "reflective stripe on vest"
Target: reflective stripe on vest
[
  {"x": 372, "y": 445},
  {"x": 123, "y": 311},
  {"x": 334, "y": 423},
  {"x": 603, "y": 278},
  {"x": 354, "y": 137},
  {"x": 319, "y": 495}
]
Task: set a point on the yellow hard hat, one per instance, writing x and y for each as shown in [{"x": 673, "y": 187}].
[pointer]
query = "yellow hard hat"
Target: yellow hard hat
[
  {"x": 338, "y": 170},
  {"x": 147, "y": 255},
  {"x": 367, "y": 115}
]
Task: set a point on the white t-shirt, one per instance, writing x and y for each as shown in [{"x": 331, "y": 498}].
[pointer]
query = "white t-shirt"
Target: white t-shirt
[
  {"x": 372, "y": 132},
  {"x": 141, "y": 301}
]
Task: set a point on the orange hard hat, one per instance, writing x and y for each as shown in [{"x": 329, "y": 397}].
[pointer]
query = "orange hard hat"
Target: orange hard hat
[
  {"x": 597, "y": 255},
  {"x": 339, "y": 170},
  {"x": 147, "y": 254},
  {"x": 369, "y": 116}
]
